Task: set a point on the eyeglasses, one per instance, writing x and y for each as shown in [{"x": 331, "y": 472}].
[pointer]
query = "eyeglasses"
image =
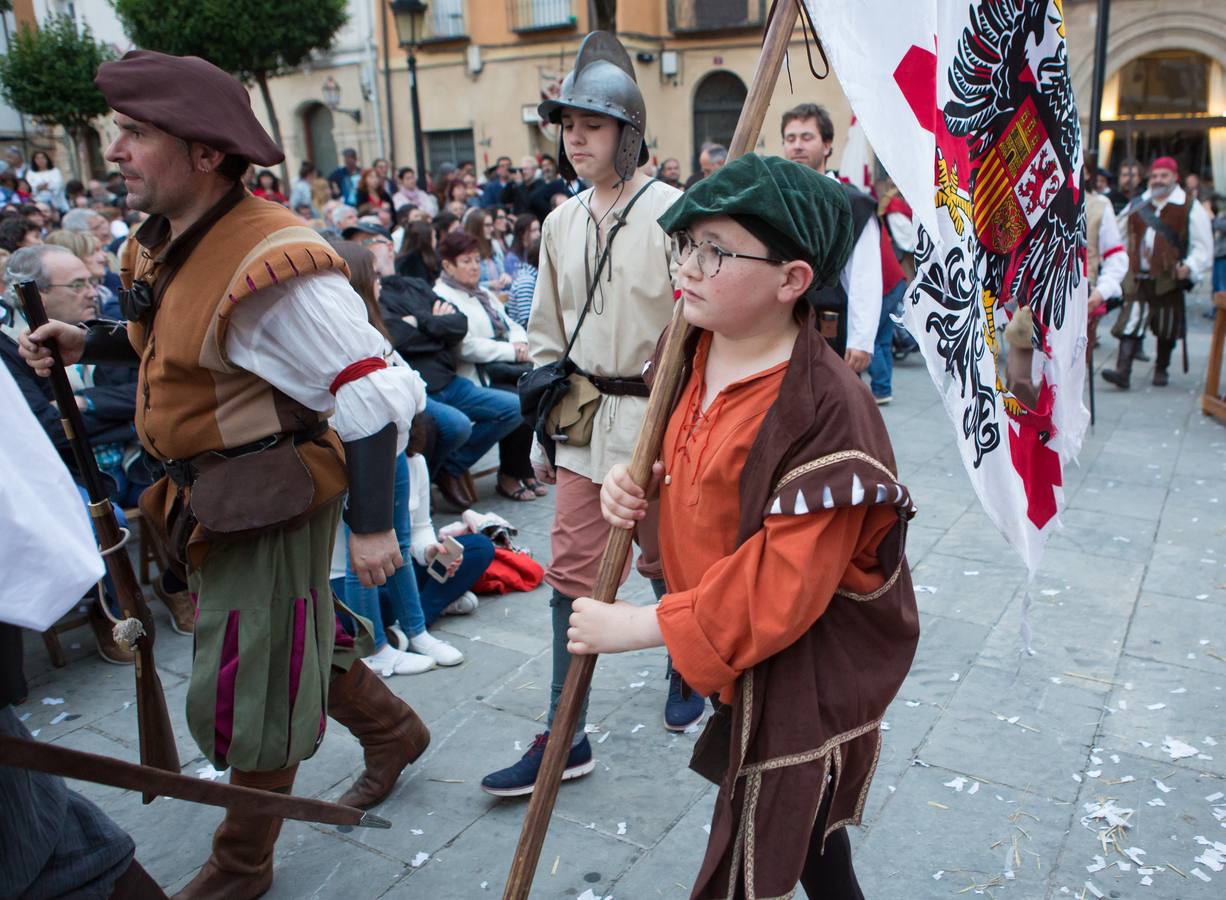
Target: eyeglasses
[
  {"x": 710, "y": 256},
  {"x": 76, "y": 285}
]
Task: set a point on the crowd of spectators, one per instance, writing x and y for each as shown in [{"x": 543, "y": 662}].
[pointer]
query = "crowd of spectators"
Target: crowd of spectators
[{"x": 452, "y": 259}]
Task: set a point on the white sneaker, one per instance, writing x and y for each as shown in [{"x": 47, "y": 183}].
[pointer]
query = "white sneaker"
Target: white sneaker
[
  {"x": 396, "y": 638},
  {"x": 440, "y": 652},
  {"x": 465, "y": 605},
  {"x": 390, "y": 661}
]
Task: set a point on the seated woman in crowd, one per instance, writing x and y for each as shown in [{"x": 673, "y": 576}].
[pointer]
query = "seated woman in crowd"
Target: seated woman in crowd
[
  {"x": 268, "y": 187},
  {"x": 451, "y": 597},
  {"x": 502, "y": 231},
  {"x": 480, "y": 224},
  {"x": 426, "y": 651},
  {"x": 494, "y": 351},
  {"x": 527, "y": 229},
  {"x": 418, "y": 258},
  {"x": 444, "y": 223},
  {"x": 46, "y": 181},
  {"x": 372, "y": 190},
  {"x": 519, "y": 307}
]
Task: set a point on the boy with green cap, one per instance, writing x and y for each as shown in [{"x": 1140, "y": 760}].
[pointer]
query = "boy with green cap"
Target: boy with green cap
[{"x": 782, "y": 527}]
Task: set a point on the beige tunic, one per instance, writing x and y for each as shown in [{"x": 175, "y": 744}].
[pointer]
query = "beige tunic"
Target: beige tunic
[{"x": 632, "y": 306}]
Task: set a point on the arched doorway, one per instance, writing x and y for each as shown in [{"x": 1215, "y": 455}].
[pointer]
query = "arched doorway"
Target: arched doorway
[
  {"x": 1166, "y": 103},
  {"x": 717, "y": 106},
  {"x": 320, "y": 144}
]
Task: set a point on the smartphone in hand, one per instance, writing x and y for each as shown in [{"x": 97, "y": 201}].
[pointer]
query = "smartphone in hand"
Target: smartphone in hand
[{"x": 452, "y": 550}]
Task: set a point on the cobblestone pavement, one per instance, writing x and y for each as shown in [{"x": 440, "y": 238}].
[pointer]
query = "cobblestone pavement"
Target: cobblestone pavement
[{"x": 1095, "y": 766}]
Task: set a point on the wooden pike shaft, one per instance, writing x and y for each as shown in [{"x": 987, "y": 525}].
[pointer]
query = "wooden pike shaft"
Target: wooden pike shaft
[
  {"x": 646, "y": 452},
  {"x": 157, "y": 741}
]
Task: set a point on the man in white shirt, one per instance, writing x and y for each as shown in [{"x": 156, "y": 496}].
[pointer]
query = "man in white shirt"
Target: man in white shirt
[
  {"x": 808, "y": 138},
  {"x": 1169, "y": 240},
  {"x": 235, "y": 401}
]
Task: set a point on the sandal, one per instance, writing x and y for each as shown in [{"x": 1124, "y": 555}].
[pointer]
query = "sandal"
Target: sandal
[
  {"x": 520, "y": 494},
  {"x": 535, "y": 486}
]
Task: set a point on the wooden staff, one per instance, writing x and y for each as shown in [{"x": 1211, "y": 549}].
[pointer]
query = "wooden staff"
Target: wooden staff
[
  {"x": 157, "y": 740},
  {"x": 646, "y": 451}
]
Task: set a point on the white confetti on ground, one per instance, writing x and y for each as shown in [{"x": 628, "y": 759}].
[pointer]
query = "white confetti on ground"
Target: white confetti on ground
[
  {"x": 1157, "y": 801},
  {"x": 637, "y": 684},
  {"x": 604, "y": 737},
  {"x": 417, "y": 831},
  {"x": 1162, "y": 787},
  {"x": 58, "y": 719},
  {"x": 485, "y": 885},
  {"x": 957, "y": 784},
  {"x": 1050, "y": 592},
  {"x": 52, "y": 701},
  {"x": 1177, "y": 749},
  {"x": 621, "y": 827},
  {"x": 936, "y": 876},
  {"x": 637, "y": 727},
  {"x": 1154, "y": 706},
  {"x": 208, "y": 772},
  {"x": 419, "y": 860},
  {"x": 925, "y": 589},
  {"x": 955, "y": 676}
]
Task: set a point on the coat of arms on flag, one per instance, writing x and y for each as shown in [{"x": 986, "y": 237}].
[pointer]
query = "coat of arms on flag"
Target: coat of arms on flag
[{"x": 968, "y": 106}]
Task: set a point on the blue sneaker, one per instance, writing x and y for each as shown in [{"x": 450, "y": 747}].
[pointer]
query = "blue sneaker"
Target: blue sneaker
[
  {"x": 681, "y": 711},
  {"x": 520, "y": 779}
]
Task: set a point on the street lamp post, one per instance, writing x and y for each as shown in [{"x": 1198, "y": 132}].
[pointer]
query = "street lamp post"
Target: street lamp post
[{"x": 410, "y": 18}]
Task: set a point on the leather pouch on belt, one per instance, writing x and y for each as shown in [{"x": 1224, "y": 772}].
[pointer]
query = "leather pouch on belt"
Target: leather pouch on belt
[
  {"x": 713, "y": 749},
  {"x": 575, "y": 413},
  {"x": 252, "y": 492}
]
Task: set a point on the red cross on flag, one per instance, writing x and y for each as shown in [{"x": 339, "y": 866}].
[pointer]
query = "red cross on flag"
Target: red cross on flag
[{"x": 968, "y": 106}]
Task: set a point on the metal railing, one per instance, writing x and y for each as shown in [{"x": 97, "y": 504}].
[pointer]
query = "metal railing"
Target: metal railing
[
  {"x": 697, "y": 16},
  {"x": 539, "y": 15}
]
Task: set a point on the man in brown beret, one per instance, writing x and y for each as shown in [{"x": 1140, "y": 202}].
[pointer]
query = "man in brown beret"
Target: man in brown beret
[{"x": 235, "y": 401}]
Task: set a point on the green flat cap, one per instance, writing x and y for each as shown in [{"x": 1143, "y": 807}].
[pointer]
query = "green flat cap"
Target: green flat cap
[{"x": 795, "y": 211}]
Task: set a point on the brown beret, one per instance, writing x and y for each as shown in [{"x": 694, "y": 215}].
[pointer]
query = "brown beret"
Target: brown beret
[{"x": 190, "y": 98}]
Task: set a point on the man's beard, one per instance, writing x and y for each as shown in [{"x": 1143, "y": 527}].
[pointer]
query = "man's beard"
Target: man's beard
[{"x": 1161, "y": 193}]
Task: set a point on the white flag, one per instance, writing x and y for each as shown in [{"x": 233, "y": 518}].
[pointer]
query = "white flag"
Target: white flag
[{"x": 968, "y": 106}]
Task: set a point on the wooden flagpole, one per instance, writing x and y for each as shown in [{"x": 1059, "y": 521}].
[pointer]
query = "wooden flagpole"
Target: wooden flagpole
[{"x": 779, "y": 30}]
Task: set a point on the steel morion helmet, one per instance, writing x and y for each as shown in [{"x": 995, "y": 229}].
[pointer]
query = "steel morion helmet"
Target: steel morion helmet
[{"x": 603, "y": 82}]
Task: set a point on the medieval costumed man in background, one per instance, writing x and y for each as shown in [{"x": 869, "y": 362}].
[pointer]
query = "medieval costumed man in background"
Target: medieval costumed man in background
[
  {"x": 249, "y": 336},
  {"x": 1169, "y": 240}
]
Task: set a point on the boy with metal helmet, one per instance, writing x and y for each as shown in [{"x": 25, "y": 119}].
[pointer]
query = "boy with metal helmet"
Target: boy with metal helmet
[{"x": 605, "y": 279}]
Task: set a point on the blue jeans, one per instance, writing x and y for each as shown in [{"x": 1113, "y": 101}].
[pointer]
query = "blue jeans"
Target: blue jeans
[
  {"x": 1219, "y": 274},
  {"x": 435, "y": 597},
  {"x": 881, "y": 368},
  {"x": 452, "y": 430},
  {"x": 402, "y": 586},
  {"x": 494, "y": 414}
]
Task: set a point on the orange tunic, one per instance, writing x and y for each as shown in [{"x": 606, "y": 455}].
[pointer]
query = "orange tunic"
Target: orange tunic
[{"x": 729, "y": 608}]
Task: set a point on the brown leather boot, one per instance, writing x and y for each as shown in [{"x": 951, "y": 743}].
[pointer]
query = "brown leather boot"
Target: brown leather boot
[
  {"x": 1163, "y": 363},
  {"x": 240, "y": 867},
  {"x": 1121, "y": 375},
  {"x": 392, "y": 735}
]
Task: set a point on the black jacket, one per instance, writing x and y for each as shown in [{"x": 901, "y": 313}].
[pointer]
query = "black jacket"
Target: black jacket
[
  {"x": 411, "y": 265},
  {"x": 430, "y": 346},
  {"x": 113, "y": 398}
]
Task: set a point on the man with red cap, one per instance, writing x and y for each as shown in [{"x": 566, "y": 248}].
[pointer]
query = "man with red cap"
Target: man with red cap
[
  {"x": 249, "y": 337},
  {"x": 1169, "y": 240}
]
